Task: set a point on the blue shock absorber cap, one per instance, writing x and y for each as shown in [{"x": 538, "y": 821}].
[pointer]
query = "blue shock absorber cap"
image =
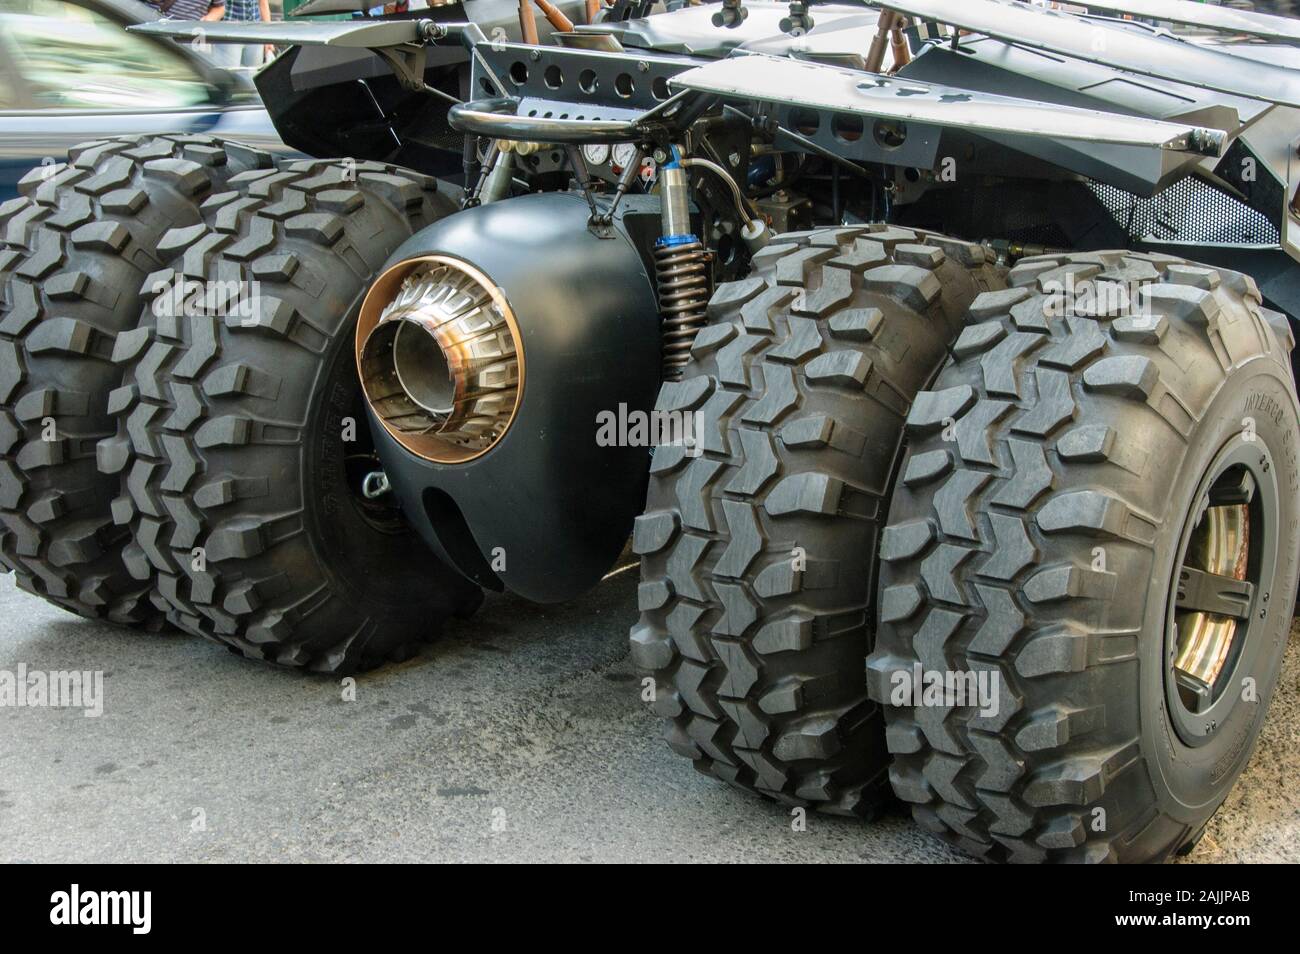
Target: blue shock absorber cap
[{"x": 667, "y": 241}]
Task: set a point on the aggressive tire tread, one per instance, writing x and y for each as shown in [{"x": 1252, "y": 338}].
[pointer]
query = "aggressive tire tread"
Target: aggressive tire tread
[
  {"x": 756, "y": 569},
  {"x": 75, "y": 247},
  {"x": 990, "y": 563},
  {"x": 219, "y": 415}
]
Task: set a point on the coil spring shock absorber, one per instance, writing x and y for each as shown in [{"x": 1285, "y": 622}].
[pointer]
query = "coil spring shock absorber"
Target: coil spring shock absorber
[
  {"x": 681, "y": 270},
  {"x": 682, "y": 275}
]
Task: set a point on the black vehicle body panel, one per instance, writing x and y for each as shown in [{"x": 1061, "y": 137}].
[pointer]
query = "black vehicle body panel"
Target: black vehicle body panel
[
  {"x": 336, "y": 101},
  {"x": 546, "y": 511}
]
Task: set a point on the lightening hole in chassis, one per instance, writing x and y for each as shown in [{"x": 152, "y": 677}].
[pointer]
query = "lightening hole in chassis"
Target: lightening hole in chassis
[
  {"x": 889, "y": 134},
  {"x": 806, "y": 122},
  {"x": 554, "y": 77},
  {"x": 624, "y": 86},
  {"x": 518, "y": 72},
  {"x": 588, "y": 82},
  {"x": 846, "y": 127}
]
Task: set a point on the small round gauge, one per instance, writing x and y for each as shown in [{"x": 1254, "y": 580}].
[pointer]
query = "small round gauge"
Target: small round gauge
[
  {"x": 624, "y": 154},
  {"x": 596, "y": 154}
]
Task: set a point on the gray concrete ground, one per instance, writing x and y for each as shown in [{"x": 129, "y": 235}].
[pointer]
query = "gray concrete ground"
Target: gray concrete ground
[{"x": 523, "y": 718}]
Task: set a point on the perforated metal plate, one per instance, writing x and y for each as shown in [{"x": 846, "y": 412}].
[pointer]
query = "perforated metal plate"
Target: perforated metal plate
[
  {"x": 821, "y": 87},
  {"x": 1190, "y": 212},
  {"x": 584, "y": 79}
]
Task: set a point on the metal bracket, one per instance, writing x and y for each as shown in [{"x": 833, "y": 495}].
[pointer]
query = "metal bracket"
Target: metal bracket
[
  {"x": 407, "y": 63},
  {"x": 407, "y": 60},
  {"x": 1203, "y": 592}
]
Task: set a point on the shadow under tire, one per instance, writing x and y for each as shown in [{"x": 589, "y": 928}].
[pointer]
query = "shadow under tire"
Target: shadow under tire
[
  {"x": 244, "y": 436},
  {"x": 1054, "y": 529},
  {"x": 75, "y": 248},
  {"x": 757, "y": 553}
]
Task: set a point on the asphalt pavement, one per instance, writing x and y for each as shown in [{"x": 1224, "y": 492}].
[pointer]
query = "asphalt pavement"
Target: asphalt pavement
[{"x": 517, "y": 737}]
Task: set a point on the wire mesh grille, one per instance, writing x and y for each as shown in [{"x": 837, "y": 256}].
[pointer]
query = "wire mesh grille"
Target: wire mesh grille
[{"x": 1190, "y": 211}]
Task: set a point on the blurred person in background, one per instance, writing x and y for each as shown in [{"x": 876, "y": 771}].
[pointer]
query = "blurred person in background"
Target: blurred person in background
[
  {"x": 248, "y": 55},
  {"x": 189, "y": 9},
  {"x": 211, "y": 10}
]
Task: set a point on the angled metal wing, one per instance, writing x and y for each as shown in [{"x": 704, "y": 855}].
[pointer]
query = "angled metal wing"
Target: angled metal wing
[
  {"x": 1225, "y": 19},
  {"x": 357, "y": 34},
  {"x": 1110, "y": 45},
  {"x": 780, "y": 80}
]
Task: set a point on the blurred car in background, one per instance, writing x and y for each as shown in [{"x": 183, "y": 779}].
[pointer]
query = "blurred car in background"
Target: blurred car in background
[{"x": 69, "y": 72}]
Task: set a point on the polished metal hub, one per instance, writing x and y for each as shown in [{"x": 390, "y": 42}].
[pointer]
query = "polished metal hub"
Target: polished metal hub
[
  {"x": 1220, "y": 580},
  {"x": 1220, "y": 546}
]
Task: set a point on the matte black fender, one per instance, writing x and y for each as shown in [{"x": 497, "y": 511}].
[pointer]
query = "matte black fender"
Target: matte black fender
[{"x": 546, "y": 511}]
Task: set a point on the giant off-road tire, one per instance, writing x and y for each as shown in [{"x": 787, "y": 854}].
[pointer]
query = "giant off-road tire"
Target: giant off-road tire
[
  {"x": 757, "y": 552},
  {"x": 243, "y": 439},
  {"x": 1068, "y": 480},
  {"x": 75, "y": 249}
]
